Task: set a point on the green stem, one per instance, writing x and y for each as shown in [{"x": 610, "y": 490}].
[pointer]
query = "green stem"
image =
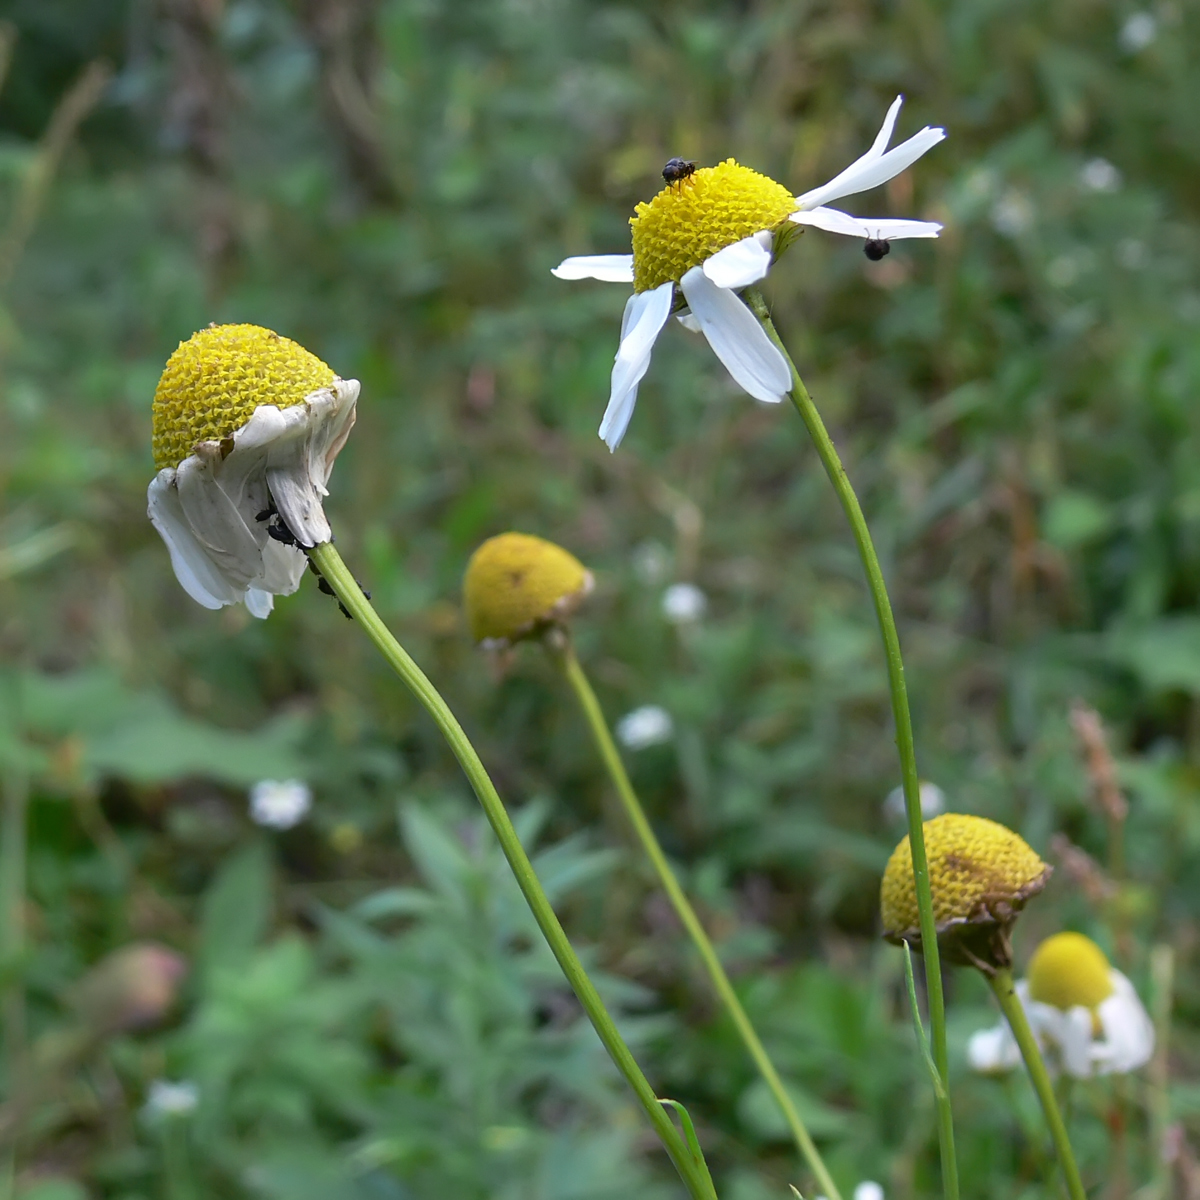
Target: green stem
[
  {"x": 904, "y": 735},
  {"x": 571, "y": 668},
  {"x": 694, "y": 1175},
  {"x": 1014, "y": 1012}
]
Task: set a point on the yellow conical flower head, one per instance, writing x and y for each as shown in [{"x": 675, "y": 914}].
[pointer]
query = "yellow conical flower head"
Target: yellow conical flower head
[
  {"x": 1067, "y": 970},
  {"x": 217, "y": 378},
  {"x": 979, "y": 872},
  {"x": 690, "y": 221},
  {"x": 516, "y": 584}
]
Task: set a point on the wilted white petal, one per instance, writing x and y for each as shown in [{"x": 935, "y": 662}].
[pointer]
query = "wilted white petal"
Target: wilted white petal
[
  {"x": 259, "y": 603},
  {"x": 196, "y": 572},
  {"x": 741, "y": 264},
  {"x": 216, "y": 521},
  {"x": 649, "y": 725},
  {"x": 610, "y": 268},
  {"x": 645, "y": 315},
  {"x": 885, "y": 229},
  {"x": 737, "y": 338},
  {"x": 1128, "y": 1032}
]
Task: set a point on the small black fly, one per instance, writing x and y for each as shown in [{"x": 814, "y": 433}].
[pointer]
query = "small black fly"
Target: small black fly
[
  {"x": 876, "y": 248},
  {"x": 677, "y": 170}
]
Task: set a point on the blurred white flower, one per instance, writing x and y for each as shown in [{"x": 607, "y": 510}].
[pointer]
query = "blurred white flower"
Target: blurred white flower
[
  {"x": 279, "y": 804},
  {"x": 649, "y": 725},
  {"x": 933, "y": 801},
  {"x": 867, "y": 1190},
  {"x": 1083, "y": 1011},
  {"x": 1012, "y": 214},
  {"x": 683, "y": 603},
  {"x": 651, "y": 562},
  {"x": 1138, "y": 32},
  {"x": 167, "y": 1099},
  {"x": 1099, "y": 175}
]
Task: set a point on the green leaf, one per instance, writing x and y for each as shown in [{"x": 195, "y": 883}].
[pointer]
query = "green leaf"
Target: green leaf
[{"x": 236, "y": 911}]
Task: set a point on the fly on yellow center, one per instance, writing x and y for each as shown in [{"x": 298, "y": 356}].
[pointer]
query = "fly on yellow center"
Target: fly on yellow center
[
  {"x": 1068, "y": 970},
  {"x": 215, "y": 380},
  {"x": 692, "y": 219}
]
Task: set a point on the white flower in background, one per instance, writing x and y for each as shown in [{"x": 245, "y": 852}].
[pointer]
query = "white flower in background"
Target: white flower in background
[
  {"x": 1139, "y": 30},
  {"x": 651, "y": 562},
  {"x": 1012, "y": 214},
  {"x": 247, "y": 425},
  {"x": 683, "y": 603},
  {"x": 1084, "y": 1013},
  {"x": 279, "y": 804},
  {"x": 1099, "y": 175},
  {"x": 705, "y": 236},
  {"x": 933, "y": 801},
  {"x": 167, "y": 1099},
  {"x": 649, "y": 725},
  {"x": 867, "y": 1190}
]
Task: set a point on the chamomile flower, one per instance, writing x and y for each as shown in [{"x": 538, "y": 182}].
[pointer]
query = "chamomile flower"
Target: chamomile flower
[
  {"x": 247, "y": 425},
  {"x": 704, "y": 237},
  {"x": 1085, "y": 1012}
]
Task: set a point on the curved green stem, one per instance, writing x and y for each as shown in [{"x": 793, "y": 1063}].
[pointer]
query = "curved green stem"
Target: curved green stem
[
  {"x": 1014, "y": 1012},
  {"x": 592, "y": 711},
  {"x": 904, "y": 734},
  {"x": 694, "y": 1175}
]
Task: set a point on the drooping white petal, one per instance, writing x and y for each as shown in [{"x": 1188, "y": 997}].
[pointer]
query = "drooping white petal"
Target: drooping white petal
[
  {"x": 609, "y": 268},
  {"x": 196, "y": 572},
  {"x": 689, "y": 322},
  {"x": 737, "y": 338},
  {"x": 645, "y": 315},
  {"x": 886, "y": 229},
  {"x": 259, "y": 602},
  {"x": 218, "y": 525},
  {"x": 878, "y": 165},
  {"x": 741, "y": 264},
  {"x": 1128, "y": 1041}
]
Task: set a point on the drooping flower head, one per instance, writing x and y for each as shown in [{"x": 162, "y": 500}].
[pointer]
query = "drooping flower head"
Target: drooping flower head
[
  {"x": 1081, "y": 1009},
  {"x": 981, "y": 875},
  {"x": 247, "y": 425},
  {"x": 516, "y": 586},
  {"x": 717, "y": 230}
]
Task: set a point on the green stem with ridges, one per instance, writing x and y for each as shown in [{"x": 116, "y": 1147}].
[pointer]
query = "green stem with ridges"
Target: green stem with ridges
[
  {"x": 694, "y": 1175},
  {"x": 581, "y": 686},
  {"x": 904, "y": 733},
  {"x": 1014, "y": 1012}
]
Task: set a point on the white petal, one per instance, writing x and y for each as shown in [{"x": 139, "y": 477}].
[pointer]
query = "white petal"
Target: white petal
[
  {"x": 875, "y": 167},
  {"x": 282, "y": 569},
  {"x": 741, "y": 264},
  {"x": 689, "y": 322},
  {"x": 645, "y": 315},
  {"x": 196, "y": 572},
  {"x": 885, "y": 229},
  {"x": 220, "y": 527},
  {"x": 737, "y": 338},
  {"x": 610, "y": 268},
  {"x": 1128, "y": 1031},
  {"x": 259, "y": 602},
  {"x": 993, "y": 1050},
  {"x": 1075, "y": 1042}
]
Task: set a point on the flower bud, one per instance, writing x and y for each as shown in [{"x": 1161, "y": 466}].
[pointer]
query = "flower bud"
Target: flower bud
[{"x": 131, "y": 988}]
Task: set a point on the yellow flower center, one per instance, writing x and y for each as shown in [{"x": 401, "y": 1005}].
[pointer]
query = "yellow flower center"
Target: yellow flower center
[
  {"x": 1067, "y": 970},
  {"x": 215, "y": 380},
  {"x": 690, "y": 221},
  {"x": 977, "y": 869},
  {"x": 516, "y": 584}
]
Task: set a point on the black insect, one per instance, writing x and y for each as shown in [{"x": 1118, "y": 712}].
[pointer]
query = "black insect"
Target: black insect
[
  {"x": 876, "y": 248},
  {"x": 323, "y": 585},
  {"x": 678, "y": 169},
  {"x": 276, "y": 527}
]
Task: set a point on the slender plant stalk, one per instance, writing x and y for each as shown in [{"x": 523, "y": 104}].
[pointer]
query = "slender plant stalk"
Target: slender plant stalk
[
  {"x": 694, "y": 1174},
  {"x": 1014, "y": 1012},
  {"x": 14, "y": 814},
  {"x": 904, "y": 735},
  {"x": 571, "y": 668}
]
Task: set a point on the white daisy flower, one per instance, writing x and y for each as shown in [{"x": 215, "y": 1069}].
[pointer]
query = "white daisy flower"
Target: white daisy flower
[
  {"x": 647, "y": 726},
  {"x": 684, "y": 603},
  {"x": 704, "y": 237},
  {"x": 278, "y": 804},
  {"x": 247, "y": 425},
  {"x": 1084, "y": 1013}
]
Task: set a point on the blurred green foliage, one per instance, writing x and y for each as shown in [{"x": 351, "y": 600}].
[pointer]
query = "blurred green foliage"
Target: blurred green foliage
[{"x": 369, "y": 1012}]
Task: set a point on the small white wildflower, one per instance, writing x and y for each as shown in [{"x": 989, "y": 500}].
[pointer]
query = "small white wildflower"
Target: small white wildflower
[
  {"x": 651, "y": 562},
  {"x": 1099, "y": 175},
  {"x": 683, "y": 603},
  {"x": 1012, "y": 214},
  {"x": 649, "y": 725},
  {"x": 279, "y": 804},
  {"x": 1138, "y": 32},
  {"x": 868, "y": 1190},
  {"x": 933, "y": 801},
  {"x": 167, "y": 1099}
]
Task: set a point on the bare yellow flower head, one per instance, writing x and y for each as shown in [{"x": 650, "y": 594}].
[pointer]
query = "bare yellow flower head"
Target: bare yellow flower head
[
  {"x": 980, "y": 874},
  {"x": 517, "y": 584},
  {"x": 689, "y": 221},
  {"x": 1069, "y": 970},
  {"x": 217, "y": 378}
]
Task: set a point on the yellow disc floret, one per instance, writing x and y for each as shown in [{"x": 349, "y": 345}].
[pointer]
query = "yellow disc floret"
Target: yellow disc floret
[
  {"x": 217, "y": 378},
  {"x": 1067, "y": 970},
  {"x": 979, "y": 871},
  {"x": 517, "y": 584},
  {"x": 690, "y": 221}
]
